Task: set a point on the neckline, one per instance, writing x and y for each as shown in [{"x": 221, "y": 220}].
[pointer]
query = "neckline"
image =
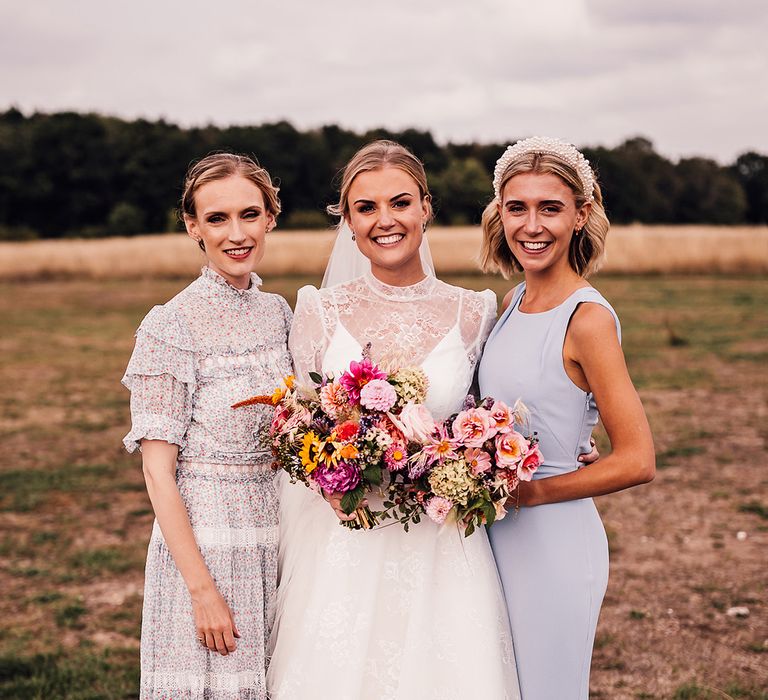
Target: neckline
[
  {"x": 419, "y": 290},
  {"x": 547, "y": 311},
  {"x": 215, "y": 278}
]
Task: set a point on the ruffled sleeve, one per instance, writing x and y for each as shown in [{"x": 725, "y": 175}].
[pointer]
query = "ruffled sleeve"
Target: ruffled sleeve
[
  {"x": 308, "y": 338},
  {"x": 161, "y": 379}
]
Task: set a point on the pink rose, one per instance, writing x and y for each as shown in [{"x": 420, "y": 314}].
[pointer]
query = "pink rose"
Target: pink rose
[
  {"x": 473, "y": 427},
  {"x": 478, "y": 461},
  {"x": 531, "y": 462},
  {"x": 510, "y": 449},
  {"x": 502, "y": 416},
  {"x": 415, "y": 422},
  {"x": 378, "y": 395}
]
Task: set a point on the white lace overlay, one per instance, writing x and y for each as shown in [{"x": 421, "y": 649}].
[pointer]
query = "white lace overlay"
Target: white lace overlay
[{"x": 388, "y": 615}]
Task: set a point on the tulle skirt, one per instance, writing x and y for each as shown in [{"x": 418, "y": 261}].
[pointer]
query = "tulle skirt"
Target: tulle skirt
[{"x": 385, "y": 614}]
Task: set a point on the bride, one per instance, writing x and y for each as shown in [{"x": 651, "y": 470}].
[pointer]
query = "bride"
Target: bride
[{"x": 385, "y": 614}]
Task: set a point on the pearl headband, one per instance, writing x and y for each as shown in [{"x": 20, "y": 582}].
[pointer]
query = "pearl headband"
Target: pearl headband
[{"x": 549, "y": 146}]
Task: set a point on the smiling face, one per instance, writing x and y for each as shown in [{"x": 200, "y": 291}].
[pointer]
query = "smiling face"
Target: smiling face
[
  {"x": 539, "y": 215},
  {"x": 387, "y": 215},
  {"x": 231, "y": 221}
]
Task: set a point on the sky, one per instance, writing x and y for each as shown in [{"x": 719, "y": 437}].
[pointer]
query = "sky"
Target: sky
[{"x": 690, "y": 75}]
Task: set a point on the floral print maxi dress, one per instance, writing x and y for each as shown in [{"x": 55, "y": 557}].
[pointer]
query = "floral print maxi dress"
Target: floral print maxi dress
[{"x": 209, "y": 347}]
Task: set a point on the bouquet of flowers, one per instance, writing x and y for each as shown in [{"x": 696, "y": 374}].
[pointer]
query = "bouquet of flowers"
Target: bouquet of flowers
[
  {"x": 342, "y": 434},
  {"x": 467, "y": 466}
]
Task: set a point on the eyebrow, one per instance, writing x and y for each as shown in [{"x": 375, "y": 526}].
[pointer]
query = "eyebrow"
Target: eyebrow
[
  {"x": 542, "y": 202},
  {"x": 257, "y": 207},
  {"x": 392, "y": 199}
]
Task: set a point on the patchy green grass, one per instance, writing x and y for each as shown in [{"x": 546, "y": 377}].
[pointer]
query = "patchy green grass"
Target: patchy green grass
[
  {"x": 82, "y": 675},
  {"x": 75, "y": 519},
  {"x": 755, "y": 507}
]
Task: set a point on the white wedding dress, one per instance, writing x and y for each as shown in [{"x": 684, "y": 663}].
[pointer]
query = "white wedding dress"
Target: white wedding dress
[{"x": 385, "y": 614}]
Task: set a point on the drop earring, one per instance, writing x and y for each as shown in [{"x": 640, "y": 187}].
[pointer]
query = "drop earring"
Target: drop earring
[{"x": 353, "y": 236}]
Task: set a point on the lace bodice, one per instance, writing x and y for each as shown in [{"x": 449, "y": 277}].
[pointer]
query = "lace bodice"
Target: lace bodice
[
  {"x": 207, "y": 348},
  {"x": 431, "y": 324}
]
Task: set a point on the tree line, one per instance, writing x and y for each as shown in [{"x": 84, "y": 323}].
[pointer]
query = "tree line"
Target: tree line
[{"x": 72, "y": 174}]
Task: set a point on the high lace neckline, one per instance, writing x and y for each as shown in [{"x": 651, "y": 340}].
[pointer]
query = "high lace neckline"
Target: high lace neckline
[
  {"x": 419, "y": 290},
  {"x": 215, "y": 278}
]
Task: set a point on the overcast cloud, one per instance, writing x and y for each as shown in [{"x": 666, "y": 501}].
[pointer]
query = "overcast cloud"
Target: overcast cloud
[{"x": 691, "y": 75}]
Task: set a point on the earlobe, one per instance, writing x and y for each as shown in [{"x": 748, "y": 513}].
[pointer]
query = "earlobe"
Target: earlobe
[{"x": 191, "y": 225}]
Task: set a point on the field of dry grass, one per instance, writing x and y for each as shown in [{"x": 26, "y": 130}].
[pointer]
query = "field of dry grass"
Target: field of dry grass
[
  {"x": 75, "y": 520},
  {"x": 630, "y": 250}
]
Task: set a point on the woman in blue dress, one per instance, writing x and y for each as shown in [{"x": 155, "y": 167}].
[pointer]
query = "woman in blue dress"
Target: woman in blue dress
[{"x": 557, "y": 347}]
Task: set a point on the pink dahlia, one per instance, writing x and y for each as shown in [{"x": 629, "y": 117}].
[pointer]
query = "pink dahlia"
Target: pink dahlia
[
  {"x": 358, "y": 375},
  {"x": 342, "y": 478},
  {"x": 334, "y": 400},
  {"x": 378, "y": 395},
  {"x": 437, "y": 509}
]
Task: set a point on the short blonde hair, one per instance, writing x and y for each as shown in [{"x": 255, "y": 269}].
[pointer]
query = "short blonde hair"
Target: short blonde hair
[
  {"x": 587, "y": 250},
  {"x": 375, "y": 156}
]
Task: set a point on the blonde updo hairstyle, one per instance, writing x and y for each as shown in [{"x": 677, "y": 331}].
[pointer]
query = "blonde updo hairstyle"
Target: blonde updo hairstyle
[
  {"x": 217, "y": 166},
  {"x": 587, "y": 249},
  {"x": 375, "y": 156}
]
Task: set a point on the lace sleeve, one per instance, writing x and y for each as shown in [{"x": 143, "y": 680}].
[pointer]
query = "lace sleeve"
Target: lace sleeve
[
  {"x": 161, "y": 379},
  {"x": 308, "y": 338},
  {"x": 477, "y": 320}
]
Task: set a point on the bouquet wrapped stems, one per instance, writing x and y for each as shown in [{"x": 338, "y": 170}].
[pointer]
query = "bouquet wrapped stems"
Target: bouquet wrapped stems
[{"x": 365, "y": 519}]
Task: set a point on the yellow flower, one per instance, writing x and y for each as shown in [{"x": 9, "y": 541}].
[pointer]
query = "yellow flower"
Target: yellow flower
[
  {"x": 288, "y": 383},
  {"x": 309, "y": 452},
  {"x": 329, "y": 453}
]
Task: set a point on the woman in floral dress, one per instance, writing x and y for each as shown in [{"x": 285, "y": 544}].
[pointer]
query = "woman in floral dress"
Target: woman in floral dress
[{"x": 212, "y": 560}]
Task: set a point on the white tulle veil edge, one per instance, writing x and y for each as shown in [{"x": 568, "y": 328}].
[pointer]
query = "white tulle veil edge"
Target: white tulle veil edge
[{"x": 347, "y": 262}]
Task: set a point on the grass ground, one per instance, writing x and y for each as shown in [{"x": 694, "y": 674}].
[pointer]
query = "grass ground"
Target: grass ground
[{"x": 75, "y": 520}]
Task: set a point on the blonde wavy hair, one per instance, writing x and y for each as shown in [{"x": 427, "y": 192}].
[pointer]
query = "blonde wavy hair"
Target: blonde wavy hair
[
  {"x": 375, "y": 156},
  {"x": 587, "y": 250}
]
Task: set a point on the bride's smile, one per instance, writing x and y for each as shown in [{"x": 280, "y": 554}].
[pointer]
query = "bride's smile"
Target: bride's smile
[{"x": 387, "y": 215}]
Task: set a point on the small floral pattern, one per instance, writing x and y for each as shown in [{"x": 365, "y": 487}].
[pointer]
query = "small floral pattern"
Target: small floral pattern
[{"x": 195, "y": 356}]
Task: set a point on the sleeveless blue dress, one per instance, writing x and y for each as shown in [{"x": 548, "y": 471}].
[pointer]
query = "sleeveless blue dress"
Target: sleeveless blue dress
[{"x": 552, "y": 559}]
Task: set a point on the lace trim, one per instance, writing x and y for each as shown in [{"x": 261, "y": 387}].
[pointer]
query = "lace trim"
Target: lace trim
[
  {"x": 247, "y": 537},
  {"x": 217, "y": 468},
  {"x": 420, "y": 290},
  {"x": 199, "y": 682},
  {"x": 215, "y": 278},
  {"x": 261, "y": 358}
]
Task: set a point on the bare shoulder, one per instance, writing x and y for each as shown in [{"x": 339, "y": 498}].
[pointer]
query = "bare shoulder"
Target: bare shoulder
[
  {"x": 592, "y": 321},
  {"x": 507, "y": 299}
]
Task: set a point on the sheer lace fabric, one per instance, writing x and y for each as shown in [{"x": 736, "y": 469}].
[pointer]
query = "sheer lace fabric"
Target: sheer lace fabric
[
  {"x": 209, "y": 347},
  {"x": 404, "y": 325},
  {"x": 388, "y": 615}
]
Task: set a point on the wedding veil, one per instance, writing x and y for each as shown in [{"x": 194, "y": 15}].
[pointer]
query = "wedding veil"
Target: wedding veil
[{"x": 347, "y": 262}]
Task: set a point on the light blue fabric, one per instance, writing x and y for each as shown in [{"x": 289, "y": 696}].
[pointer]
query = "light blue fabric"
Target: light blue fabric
[{"x": 552, "y": 559}]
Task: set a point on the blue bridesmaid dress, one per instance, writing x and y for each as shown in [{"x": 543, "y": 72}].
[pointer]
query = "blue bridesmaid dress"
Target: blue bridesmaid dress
[{"x": 552, "y": 559}]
